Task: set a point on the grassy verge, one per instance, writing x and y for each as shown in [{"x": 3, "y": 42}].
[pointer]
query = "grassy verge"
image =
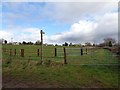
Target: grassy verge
[
  {"x": 55, "y": 74},
  {"x": 64, "y": 76}
]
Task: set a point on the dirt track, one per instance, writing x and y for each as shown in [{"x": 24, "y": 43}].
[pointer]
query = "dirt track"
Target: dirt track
[{"x": 13, "y": 82}]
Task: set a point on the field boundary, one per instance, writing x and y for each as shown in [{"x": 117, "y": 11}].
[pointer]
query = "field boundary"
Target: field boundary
[{"x": 57, "y": 51}]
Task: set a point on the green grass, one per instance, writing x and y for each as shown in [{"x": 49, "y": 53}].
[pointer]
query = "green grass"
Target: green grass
[
  {"x": 75, "y": 74},
  {"x": 94, "y": 56},
  {"x": 99, "y": 56},
  {"x": 65, "y": 76}
]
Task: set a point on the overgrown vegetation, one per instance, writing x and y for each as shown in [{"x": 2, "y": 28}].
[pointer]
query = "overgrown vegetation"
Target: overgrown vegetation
[{"x": 81, "y": 71}]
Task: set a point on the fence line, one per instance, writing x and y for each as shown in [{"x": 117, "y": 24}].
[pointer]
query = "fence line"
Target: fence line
[
  {"x": 57, "y": 52},
  {"x": 72, "y": 48}
]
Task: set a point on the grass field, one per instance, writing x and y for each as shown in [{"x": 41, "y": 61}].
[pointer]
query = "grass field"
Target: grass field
[{"x": 98, "y": 68}]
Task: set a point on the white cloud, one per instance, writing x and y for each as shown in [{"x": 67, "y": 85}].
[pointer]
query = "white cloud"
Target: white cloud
[
  {"x": 29, "y": 34},
  {"x": 67, "y": 12},
  {"x": 6, "y": 35},
  {"x": 107, "y": 26},
  {"x": 101, "y": 21},
  {"x": 90, "y": 31},
  {"x": 70, "y": 12},
  {"x": 26, "y": 34},
  {"x": 80, "y": 32}
]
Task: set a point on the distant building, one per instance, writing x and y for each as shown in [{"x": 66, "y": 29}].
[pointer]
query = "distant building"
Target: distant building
[
  {"x": 15, "y": 43},
  {"x": 45, "y": 44},
  {"x": 50, "y": 45}
]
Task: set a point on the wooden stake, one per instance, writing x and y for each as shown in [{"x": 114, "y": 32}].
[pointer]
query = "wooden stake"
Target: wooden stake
[
  {"x": 22, "y": 52},
  {"x": 15, "y": 52},
  {"x": 10, "y": 52},
  {"x": 81, "y": 51},
  {"x": 38, "y": 52},
  {"x": 65, "y": 60},
  {"x": 55, "y": 52}
]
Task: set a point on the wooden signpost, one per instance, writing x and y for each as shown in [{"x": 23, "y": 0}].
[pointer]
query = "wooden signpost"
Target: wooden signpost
[{"x": 41, "y": 32}]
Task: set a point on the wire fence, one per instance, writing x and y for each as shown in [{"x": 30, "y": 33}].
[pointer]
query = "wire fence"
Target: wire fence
[
  {"x": 65, "y": 55},
  {"x": 54, "y": 53}
]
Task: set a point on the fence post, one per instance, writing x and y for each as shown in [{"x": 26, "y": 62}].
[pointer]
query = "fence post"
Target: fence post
[
  {"x": 65, "y": 60},
  {"x": 81, "y": 51},
  {"x": 10, "y": 52},
  {"x": 38, "y": 52},
  {"x": 55, "y": 52},
  {"x": 15, "y": 52},
  {"x": 22, "y": 52}
]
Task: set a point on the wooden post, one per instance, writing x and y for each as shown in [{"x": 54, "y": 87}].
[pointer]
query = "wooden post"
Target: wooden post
[
  {"x": 81, "y": 51},
  {"x": 65, "y": 60},
  {"x": 41, "y": 32},
  {"x": 22, "y": 52},
  {"x": 38, "y": 52},
  {"x": 55, "y": 52},
  {"x": 10, "y": 52},
  {"x": 41, "y": 43},
  {"x": 15, "y": 52}
]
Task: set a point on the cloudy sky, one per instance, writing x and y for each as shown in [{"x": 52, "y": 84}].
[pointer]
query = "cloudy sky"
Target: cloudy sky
[{"x": 75, "y": 22}]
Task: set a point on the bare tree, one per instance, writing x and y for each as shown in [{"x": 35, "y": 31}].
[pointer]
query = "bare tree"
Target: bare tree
[
  {"x": 38, "y": 42},
  {"x": 109, "y": 41},
  {"x": 70, "y": 44},
  {"x": 87, "y": 44},
  {"x": 5, "y": 41}
]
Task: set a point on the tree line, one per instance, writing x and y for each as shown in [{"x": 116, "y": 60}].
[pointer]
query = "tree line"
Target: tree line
[{"x": 106, "y": 42}]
